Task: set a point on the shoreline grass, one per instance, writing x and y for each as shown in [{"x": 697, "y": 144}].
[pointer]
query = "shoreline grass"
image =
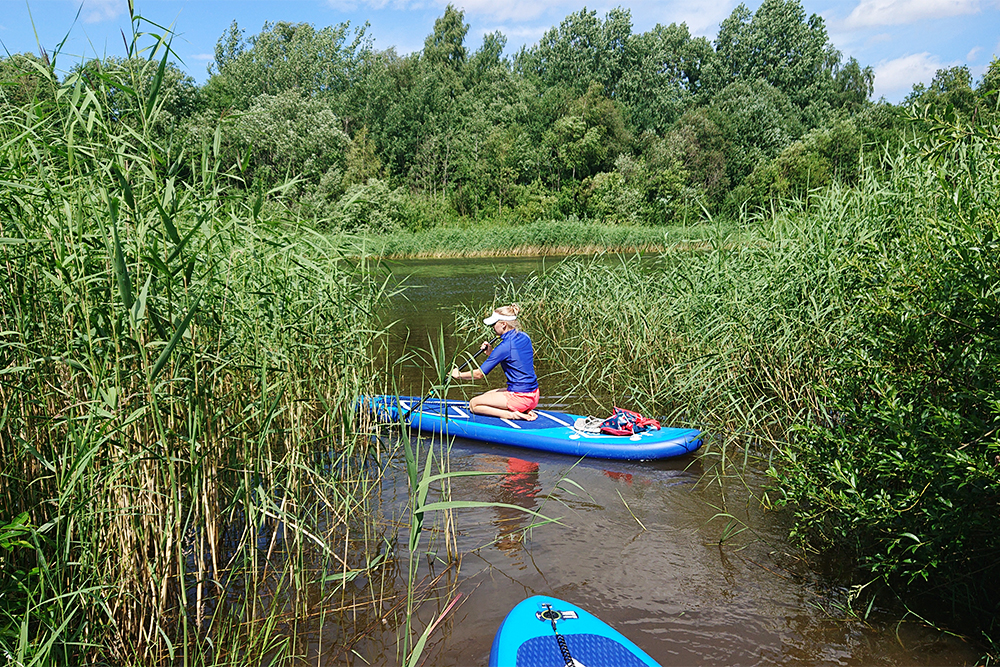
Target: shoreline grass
[{"x": 553, "y": 237}]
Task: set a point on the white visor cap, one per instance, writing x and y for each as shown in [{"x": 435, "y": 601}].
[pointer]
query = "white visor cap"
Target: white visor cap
[{"x": 497, "y": 317}]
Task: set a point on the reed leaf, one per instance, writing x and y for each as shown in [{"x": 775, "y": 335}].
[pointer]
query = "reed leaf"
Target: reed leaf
[{"x": 152, "y": 477}]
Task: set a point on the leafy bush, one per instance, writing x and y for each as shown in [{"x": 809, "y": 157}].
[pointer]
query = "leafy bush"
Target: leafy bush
[
  {"x": 701, "y": 147},
  {"x": 534, "y": 202},
  {"x": 614, "y": 200},
  {"x": 905, "y": 470},
  {"x": 371, "y": 207},
  {"x": 757, "y": 120},
  {"x": 279, "y": 137},
  {"x": 908, "y": 475},
  {"x": 811, "y": 163}
]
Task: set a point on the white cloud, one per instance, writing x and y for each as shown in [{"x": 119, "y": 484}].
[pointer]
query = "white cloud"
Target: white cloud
[
  {"x": 899, "y": 75},
  {"x": 95, "y": 11},
  {"x": 878, "y": 39},
  {"x": 971, "y": 56},
  {"x": 702, "y": 18},
  {"x": 202, "y": 56},
  {"x": 900, "y": 12},
  {"x": 514, "y": 33},
  {"x": 518, "y": 10}
]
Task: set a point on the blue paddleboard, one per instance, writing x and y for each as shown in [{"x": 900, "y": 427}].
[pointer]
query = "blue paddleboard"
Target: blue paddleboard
[
  {"x": 545, "y": 631},
  {"x": 552, "y": 431}
]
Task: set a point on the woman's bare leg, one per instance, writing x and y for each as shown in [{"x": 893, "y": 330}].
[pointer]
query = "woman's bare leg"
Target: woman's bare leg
[{"x": 494, "y": 404}]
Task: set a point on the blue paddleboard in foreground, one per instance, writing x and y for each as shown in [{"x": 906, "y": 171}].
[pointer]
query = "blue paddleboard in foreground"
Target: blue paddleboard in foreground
[
  {"x": 551, "y": 432},
  {"x": 547, "y": 632}
]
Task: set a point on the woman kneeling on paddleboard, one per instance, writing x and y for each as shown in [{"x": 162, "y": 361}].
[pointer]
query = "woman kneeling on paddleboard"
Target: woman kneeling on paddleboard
[{"x": 516, "y": 357}]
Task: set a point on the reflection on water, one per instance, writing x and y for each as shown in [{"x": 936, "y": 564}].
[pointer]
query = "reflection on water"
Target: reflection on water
[
  {"x": 636, "y": 543},
  {"x": 516, "y": 485}
]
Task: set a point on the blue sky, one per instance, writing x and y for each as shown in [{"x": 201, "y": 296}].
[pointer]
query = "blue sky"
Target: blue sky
[{"x": 905, "y": 41}]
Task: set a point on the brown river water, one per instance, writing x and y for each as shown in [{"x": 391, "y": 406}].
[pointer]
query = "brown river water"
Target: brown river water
[{"x": 638, "y": 544}]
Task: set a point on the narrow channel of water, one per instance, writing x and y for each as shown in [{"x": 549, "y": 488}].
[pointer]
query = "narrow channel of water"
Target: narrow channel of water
[{"x": 637, "y": 544}]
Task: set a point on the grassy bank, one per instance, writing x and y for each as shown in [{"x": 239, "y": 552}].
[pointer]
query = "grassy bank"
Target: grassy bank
[
  {"x": 555, "y": 237},
  {"x": 851, "y": 348}
]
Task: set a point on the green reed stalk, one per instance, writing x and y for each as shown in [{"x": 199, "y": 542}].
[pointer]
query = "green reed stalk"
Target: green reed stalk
[
  {"x": 430, "y": 477},
  {"x": 182, "y": 470}
]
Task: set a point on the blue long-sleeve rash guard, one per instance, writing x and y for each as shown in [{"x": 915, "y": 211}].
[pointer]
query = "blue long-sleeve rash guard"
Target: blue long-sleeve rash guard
[{"x": 516, "y": 357}]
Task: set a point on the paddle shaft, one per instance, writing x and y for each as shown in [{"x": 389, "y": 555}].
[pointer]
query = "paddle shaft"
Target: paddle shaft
[{"x": 467, "y": 361}]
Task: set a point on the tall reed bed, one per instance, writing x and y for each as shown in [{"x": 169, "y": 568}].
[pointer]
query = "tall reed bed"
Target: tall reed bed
[
  {"x": 182, "y": 480},
  {"x": 544, "y": 237},
  {"x": 726, "y": 335},
  {"x": 849, "y": 347}
]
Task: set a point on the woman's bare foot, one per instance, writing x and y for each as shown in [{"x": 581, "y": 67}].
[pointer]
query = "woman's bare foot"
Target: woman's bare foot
[{"x": 530, "y": 416}]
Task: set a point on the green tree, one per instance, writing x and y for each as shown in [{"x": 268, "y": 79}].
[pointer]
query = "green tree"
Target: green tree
[
  {"x": 229, "y": 47},
  {"x": 649, "y": 189},
  {"x": 589, "y": 137},
  {"x": 664, "y": 76},
  {"x": 701, "y": 148},
  {"x": 780, "y": 45},
  {"x": 397, "y": 110},
  {"x": 882, "y": 127},
  {"x": 125, "y": 85},
  {"x": 285, "y": 56},
  {"x": 218, "y": 90},
  {"x": 815, "y": 161},
  {"x": 279, "y": 136},
  {"x": 853, "y": 85},
  {"x": 489, "y": 57},
  {"x": 431, "y": 111},
  {"x": 371, "y": 207},
  {"x": 577, "y": 148},
  {"x": 374, "y": 95},
  {"x": 758, "y": 121},
  {"x": 420, "y": 132},
  {"x": 445, "y": 47},
  {"x": 496, "y": 149},
  {"x": 361, "y": 161},
  {"x": 951, "y": 86},
  {"x": 581, "y": 51},
  {"x": 25, "y": 78},
  {"x": 988, "y": 89}
]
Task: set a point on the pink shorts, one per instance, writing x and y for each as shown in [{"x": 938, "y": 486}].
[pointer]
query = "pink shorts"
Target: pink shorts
[{"x": 522, "y": 401}]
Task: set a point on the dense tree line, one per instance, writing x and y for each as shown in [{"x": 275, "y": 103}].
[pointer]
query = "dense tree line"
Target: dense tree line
[{"x": 593, "y": 121}]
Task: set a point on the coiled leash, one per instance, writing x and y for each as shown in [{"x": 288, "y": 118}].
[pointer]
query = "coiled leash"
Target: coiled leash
[{"x": 551, "y": 614}]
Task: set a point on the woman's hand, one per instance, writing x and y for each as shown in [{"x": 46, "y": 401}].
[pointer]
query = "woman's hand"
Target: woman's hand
[
  {"x": 456, "y": 374},
  {"x": 486, "y": 347}
]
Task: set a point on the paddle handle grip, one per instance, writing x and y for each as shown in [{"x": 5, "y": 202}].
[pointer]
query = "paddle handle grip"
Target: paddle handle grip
[{"x": 478, "y": 352}]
